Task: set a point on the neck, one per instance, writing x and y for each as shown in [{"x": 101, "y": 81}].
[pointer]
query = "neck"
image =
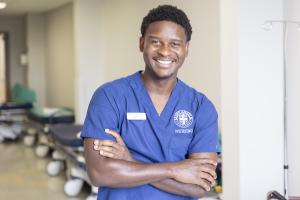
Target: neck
[{"x": 159, "y": 86}]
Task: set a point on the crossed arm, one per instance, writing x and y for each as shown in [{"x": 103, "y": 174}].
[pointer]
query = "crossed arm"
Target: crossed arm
[{"x": 115, "y": 167}]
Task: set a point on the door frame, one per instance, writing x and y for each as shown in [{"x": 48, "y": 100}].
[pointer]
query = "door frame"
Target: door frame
[{"x": 6, "y": 65}]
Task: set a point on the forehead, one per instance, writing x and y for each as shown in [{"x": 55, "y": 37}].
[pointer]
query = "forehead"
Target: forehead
[{"x": 166, "y": 29}]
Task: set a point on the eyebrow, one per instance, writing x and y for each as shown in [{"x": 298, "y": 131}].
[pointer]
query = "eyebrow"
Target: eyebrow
[{"x": 173, "y": 39}]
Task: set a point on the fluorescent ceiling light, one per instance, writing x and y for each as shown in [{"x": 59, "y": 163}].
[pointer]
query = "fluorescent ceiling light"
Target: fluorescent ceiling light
[{"x": 2, "y": 5}]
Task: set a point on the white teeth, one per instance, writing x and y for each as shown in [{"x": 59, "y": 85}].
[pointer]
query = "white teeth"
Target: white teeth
[{"x": 164, "y": 62}]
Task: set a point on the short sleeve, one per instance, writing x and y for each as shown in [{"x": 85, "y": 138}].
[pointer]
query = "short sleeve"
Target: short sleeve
[
  {"x": 205, "y": 137},
  {"x": 101, "y": 115}
]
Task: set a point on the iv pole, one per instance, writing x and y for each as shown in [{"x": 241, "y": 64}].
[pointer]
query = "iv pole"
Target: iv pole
[{"x": 268, "y": 26}]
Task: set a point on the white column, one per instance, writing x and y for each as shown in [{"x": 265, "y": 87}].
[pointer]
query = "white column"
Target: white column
[
  {"x": 252, "y": 99},
  {"x": 88, "y": 53},
  {"x": 230, "y": 98}
]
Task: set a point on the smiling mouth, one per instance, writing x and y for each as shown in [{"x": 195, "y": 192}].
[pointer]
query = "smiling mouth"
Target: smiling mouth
[{"x": 165, "y": 62}]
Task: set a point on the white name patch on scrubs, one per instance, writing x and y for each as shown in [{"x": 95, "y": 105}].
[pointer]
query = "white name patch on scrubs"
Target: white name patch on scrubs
[{"x": 136, "y": 116}]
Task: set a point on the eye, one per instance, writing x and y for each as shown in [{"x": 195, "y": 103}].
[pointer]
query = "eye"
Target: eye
[
  {"x": 175, "y": 44},
  {"x": 155, "y": 42}
]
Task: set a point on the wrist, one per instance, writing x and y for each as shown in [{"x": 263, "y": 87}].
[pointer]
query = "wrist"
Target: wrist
[{"x": 171, "y": 170}]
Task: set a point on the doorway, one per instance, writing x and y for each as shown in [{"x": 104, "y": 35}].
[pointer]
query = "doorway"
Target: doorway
[{"x": 3, "y": 68}]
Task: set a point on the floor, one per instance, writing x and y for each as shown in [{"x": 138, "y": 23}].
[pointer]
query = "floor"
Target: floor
[{"x": 23, "y": 176}]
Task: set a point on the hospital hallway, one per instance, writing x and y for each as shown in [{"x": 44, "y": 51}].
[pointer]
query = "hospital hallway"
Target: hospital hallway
[{"x": 23, "y": 175}]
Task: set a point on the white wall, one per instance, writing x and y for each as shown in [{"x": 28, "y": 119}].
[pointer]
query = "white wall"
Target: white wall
[
  {"x": 111, "y": 49},
  {"x": 229, "y": 34},
  {"x": 292, "y": 8},
  {"x": 36, "y": 45},
  {"x": 60, "y": 57},
  {"x": 15, "y": 27},
  {"x": 252, "y": 143},
  {"x": 51, "y": 56}
]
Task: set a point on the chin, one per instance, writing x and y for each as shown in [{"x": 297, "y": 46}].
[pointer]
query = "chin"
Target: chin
[
  {"x": 165, "y": 75},
  {"x": 162, "y": 73}
]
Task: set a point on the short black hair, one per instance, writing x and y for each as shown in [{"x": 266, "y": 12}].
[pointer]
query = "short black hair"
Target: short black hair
[{"x": 167, "y": 13}]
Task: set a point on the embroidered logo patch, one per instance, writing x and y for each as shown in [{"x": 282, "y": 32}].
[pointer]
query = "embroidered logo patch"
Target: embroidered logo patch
[{"x": 183, "y": 118}]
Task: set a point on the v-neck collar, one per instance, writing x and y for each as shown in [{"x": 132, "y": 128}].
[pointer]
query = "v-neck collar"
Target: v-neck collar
[{"x": 139, "y": 84}]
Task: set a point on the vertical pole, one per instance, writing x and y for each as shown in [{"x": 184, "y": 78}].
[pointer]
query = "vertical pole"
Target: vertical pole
[{"x": 286, "y": 166}]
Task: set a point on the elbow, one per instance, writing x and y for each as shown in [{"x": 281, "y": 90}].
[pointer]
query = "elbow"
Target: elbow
[
  {"x": 97, "y": 175},
  {"x": 95, "y": 178},
  {"x": 98, "y": 168},
  {"x": 98, "y": 180}
]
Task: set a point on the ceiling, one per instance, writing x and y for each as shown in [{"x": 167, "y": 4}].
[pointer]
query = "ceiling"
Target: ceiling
[{"x": 22, "y": 7}]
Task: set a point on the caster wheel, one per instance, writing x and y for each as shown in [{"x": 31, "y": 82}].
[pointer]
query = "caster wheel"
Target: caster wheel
[
  {"x": 56, "y": 155},
  {"x": 29, "y": 140},
  {"x": 54, "y": 168},
  {"x": 73, "y": 187},
  {"x": 43, "y": 139},
  {"x": 42, "y": 151},
  {"x": 31, "y": 131}
]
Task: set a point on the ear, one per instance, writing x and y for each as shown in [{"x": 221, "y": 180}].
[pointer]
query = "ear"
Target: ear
[
  {"x": 141, "y": 45},
  {"x": 187, "y": 49}
]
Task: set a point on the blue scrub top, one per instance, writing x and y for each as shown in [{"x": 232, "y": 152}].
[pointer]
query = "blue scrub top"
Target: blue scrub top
[{"x": 187, "y": 124}]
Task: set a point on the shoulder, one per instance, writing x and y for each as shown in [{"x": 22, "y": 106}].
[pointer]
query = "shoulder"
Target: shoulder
[
  {"x": 115, "y": 89},
  {"x": 201, "y": 103}
]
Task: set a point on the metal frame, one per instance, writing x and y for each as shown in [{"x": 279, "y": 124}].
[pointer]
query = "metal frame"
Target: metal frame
[{"x": 268, "y": 26}]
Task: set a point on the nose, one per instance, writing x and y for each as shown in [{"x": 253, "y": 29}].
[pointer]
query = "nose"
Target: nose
[{"x": 164, "y": 50}]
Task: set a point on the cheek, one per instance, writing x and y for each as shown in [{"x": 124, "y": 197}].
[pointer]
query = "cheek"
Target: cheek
[
  {"x": 147, "y": 58},
  {"x": 181, "y": 55},
  {"x": 148, "y": 52}
]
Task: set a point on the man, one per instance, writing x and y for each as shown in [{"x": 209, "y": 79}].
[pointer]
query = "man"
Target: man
[{"x": 149, "y": 135}]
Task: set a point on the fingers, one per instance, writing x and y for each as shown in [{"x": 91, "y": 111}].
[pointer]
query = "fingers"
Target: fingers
[
  {"x": 208, "y": 178},
  {"x": 116, "y": 136},
  {"x": 108, "y": 145},
  {"x": 205, "y": 181},
  {"x": 96, "y": 145},
  {"x": 107, "y": 154},
  {"x": 108, "y": 151},
  {"x": 208, "y": 161},
  {"x": 208, "y": 166},
  {"x": 209, "y": 171},
  {"x": 113, "y": 150},
  {"x": 204, "y": 185}
]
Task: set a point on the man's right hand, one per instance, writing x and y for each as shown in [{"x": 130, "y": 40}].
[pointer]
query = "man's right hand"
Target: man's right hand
[{"x": 195, "y": 171}]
